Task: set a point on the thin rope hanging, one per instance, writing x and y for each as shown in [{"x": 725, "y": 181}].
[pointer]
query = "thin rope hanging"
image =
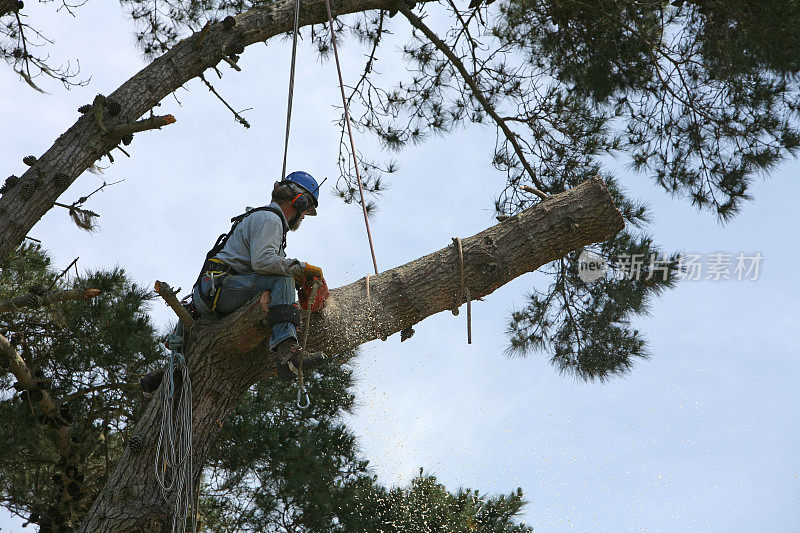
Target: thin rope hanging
[
  {"x": 346, "y": 115},
  {"x": 463, "y": 292},
  {"x": 350, "y": 133},
  {"x": 291, "y": 86}
]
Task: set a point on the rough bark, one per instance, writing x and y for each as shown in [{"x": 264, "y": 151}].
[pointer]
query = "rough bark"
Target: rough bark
[
  {"x": 228, "y": 356},
  {"x": 24, "y": 203}
]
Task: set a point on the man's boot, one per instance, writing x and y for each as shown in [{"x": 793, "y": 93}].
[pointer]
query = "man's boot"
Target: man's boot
[{"x": 288, "y": 359}]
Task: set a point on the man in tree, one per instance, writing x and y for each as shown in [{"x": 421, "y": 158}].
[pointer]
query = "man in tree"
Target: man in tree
[
  {"x": 696, "y": 93},
  {"x": 251, "y": 259}
]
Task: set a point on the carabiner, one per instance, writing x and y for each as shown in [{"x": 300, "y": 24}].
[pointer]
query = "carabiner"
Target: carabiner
[{"x": 300, "y": 393}]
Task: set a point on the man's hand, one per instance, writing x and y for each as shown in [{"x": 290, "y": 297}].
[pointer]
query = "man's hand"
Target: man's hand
[{"x": 312, "y": 272}]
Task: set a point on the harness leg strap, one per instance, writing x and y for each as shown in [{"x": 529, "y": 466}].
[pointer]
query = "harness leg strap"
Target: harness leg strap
[{"x": 284, "y": 313}]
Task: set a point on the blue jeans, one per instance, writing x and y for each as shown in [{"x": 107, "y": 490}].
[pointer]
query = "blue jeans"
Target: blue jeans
[{"x": 239, "y": 289}]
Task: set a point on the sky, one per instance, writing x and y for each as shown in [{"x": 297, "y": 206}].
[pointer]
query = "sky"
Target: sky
[{"x": 703, "y": 436}]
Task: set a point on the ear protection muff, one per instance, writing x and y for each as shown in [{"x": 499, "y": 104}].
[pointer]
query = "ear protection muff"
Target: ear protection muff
[{"x": 301, "y": 202}]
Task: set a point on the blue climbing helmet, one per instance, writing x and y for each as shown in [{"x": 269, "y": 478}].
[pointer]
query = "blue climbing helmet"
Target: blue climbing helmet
[{"x": 308, "y": 184}]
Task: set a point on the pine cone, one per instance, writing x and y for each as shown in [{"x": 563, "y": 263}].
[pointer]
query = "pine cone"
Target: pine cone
[
  {"x": 27, "y": 190},
  {"x": 38, "y": 290},
  {"x": 73, "y": 488},
  {"x": 10, "y": 182},
  {"x": 62, "y": 180},
  {"x": 135, "y": 444},
  {"x": 113, "y": 107},
  {"x": 235, "y": 47}
]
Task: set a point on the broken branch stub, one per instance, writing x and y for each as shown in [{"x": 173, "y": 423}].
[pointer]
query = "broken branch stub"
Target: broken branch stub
[{"x": 166, "y": 292}]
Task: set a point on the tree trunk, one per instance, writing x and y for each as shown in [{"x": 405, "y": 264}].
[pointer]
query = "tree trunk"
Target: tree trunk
[
  {"x": 226, "y": 357},
  {"x": 33, "y": 194}
]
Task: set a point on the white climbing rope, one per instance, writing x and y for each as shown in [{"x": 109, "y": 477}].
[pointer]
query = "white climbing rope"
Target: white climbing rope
[{"x": 173, "y": 462}]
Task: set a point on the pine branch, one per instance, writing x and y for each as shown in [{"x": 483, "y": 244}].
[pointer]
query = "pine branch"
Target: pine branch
[
  {"x": 25, "y": 55},
  {"x": 98, "y": 388},
  {"x": 84, "y": 212},
  {"x": 476, "y": 92},
  {"x": 63, "y": 273},
  {"x": 239, "y": 118},
  {"x": 33, "y": 301},
  {"x": 82, "y": 200}
]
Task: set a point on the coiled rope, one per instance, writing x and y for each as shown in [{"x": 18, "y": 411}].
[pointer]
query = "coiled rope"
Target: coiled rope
[{"x": 173, "y": 462}]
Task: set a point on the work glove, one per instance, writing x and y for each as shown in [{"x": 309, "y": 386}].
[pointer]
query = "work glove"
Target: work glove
[{"x": 309, "y": 273}]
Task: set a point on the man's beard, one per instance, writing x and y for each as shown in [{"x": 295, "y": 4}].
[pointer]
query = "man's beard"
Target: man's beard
[{"x": 294, "y": 224}]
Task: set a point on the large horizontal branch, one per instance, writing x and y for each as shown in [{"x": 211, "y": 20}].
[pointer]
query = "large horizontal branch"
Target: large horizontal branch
[
  {"x": 84, "y": 143},
  {"x": 226, "y": 357},
  {"x": 34, "y": 301}
]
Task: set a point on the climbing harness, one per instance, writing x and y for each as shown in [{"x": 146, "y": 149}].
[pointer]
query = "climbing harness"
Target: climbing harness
[
  {"x": 216, "y": 269},
  {"x": 463, "y": 292},
  {"x": 173, "y": 462}
]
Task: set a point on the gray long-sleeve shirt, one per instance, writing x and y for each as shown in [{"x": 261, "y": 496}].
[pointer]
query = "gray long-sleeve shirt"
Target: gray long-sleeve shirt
[{"x": 256, "y": 245}]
